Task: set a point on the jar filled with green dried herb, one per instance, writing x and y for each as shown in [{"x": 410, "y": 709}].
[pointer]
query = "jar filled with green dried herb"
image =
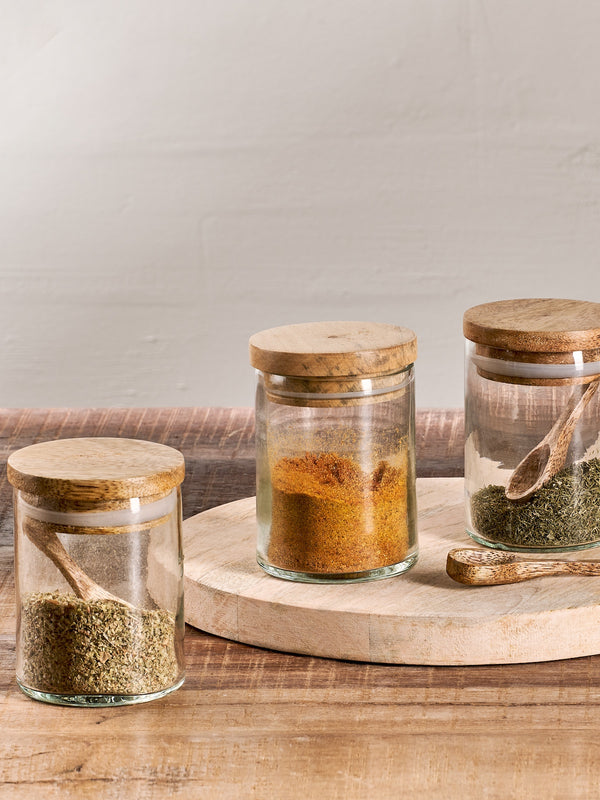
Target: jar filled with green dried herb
[
  {"x": 335, "y": 451},
  {"x": 98, "y": 564},
  {"x": 532, "y": 424}
]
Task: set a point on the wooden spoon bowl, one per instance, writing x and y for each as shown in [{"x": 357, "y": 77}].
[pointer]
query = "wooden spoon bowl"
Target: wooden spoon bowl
[{"x": 549, "y": 456}]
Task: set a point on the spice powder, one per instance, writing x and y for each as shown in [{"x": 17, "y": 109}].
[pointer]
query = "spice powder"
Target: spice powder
[{"x": 330, "y": 516}]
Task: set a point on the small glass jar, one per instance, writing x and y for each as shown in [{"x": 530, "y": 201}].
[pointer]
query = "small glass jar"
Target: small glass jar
[
  {"x": 532, "y": 424},
  {"x": 99, "y": 570},
  {"x": 335, "y": 448}
]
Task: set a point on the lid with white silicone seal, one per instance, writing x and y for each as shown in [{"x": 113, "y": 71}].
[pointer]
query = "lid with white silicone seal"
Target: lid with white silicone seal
[
  {"x": 97, "y": 484},
  {"x": 536, "y": 341}
]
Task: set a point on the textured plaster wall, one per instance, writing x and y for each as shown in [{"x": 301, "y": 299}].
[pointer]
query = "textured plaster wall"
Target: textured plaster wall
[{"x": 178, "y": 175}]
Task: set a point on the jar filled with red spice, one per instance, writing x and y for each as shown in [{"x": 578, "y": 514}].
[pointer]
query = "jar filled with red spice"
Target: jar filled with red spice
[{"x": 335, "y": 433}]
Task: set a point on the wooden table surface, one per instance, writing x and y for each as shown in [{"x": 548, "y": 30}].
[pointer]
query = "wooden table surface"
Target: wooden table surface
[{"x": 250, "y": 723}]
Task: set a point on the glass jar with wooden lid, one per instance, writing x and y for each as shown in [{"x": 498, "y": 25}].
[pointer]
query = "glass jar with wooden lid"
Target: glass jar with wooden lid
[
  {"x": 335, "y": 450},
  {"x": 99, "y": 570},
  {"x": 532, "y": 424}
]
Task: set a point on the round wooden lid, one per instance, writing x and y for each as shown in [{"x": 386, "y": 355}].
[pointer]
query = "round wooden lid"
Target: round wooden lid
[
  {"x": 540, "y": 325},
  {"x": 326, "y": 349},
  {"x": 95, "y": 470}
]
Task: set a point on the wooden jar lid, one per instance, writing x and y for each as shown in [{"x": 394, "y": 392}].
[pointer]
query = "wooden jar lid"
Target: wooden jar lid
[
  {"x": 541, "y": 331},
  {"x": 75, "y": 474},
  {"x": 535, "y": 325},
  {"x": 330, "y": 349}
]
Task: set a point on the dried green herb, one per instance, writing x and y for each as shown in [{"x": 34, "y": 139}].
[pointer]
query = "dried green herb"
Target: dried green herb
[
  {"x": 74, "y": 647},
  {"x": 565, "y": 512}
]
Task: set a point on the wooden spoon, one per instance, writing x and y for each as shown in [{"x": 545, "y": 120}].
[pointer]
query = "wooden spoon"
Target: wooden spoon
[
  {"x": 492, "y": 567},
  {"x": 45, "y": 539},
  {"x": 545, "y": 460}
]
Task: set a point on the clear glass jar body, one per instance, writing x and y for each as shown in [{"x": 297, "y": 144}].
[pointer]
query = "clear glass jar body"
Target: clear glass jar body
[
  {"x": 336, "y": 499},
  {"x": 510, "y": 407},
  {"x": 99, "y": 600}
]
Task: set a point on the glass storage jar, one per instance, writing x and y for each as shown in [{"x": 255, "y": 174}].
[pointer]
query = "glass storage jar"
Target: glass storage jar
[
  {"x": 532, "y": 424},
  {"x": 335, "y": 451},
  {"x": 99, "y": 570}
]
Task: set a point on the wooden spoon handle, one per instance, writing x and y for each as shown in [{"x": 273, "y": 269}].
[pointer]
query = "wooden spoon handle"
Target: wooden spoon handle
[
  {"x": 491, "y": 568},
  {"x": 45, "y": 539},
  {"x": 585, "y": 568},
  {"x": 566, "y": 425}
]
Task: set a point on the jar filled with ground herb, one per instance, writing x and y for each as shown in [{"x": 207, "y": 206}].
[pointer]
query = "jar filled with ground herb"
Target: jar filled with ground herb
[
  {"x": 99, "y": 570},
  {"x": 335, "y": 451},
  {"x": 532, "y": 424}
]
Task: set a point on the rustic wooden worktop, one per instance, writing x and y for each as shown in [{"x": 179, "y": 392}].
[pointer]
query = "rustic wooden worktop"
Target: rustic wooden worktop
[{"x": 254, "y": 723}]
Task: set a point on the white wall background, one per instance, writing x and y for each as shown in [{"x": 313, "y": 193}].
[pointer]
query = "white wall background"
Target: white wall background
[{"x": 176, "y": 176}]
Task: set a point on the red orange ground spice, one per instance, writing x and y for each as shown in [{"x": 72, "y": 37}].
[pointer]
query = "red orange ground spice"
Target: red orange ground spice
[{"x": 330, "y": 516}]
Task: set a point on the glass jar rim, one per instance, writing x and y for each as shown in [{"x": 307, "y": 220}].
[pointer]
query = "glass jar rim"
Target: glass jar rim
[
  {"x": 339, "y": 390},
  {"x": 138, "y": 514}
]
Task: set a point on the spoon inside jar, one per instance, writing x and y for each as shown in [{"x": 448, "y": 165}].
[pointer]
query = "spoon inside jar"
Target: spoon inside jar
[
  {"x": 548, "y": 457},
  {"x": 45, "y": 539},
  {"x": 493, "y": 567}
]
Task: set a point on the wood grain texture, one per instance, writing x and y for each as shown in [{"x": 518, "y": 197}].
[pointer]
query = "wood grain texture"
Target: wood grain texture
[
  {"x": 44, "y": 537},
  {"x": 94, "y": 472},
  {"x": 218, "y": 446},
  {"x": 217, "y": 443},
  {"x": 255, "y": 723},
  {"x": 549, "y": 456},
  {"x": 326, "y": 349},
  {"x": 482, "y": 567},
  {"x": 421, "y": 617},
  {"x": 535, "y": 325}
]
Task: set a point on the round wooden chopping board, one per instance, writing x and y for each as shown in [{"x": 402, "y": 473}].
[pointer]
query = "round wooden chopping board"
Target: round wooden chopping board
[{"x": 420, "y": 617}]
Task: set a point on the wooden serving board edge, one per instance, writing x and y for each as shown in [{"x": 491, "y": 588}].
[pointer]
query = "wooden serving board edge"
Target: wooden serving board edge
[{"x": 237, "y": 611}]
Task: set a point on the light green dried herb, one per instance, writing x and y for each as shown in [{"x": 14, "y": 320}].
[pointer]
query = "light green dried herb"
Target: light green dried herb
[
  {"x": 565, "y": 512},
  {"x": 70, "y": 646}
]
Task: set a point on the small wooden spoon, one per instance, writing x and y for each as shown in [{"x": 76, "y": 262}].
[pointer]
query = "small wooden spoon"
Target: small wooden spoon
[
  {"x": 493, "y": 567},
  {"x": 545, "y": 460},
  {"x": 45, "y": 539}
]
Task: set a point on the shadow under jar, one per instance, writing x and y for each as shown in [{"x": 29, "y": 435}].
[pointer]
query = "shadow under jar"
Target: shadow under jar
[
  {"x": 335, "y": 448},
  {"x": 532, "y": 424},
  {"x": 99, "y": 570}
]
